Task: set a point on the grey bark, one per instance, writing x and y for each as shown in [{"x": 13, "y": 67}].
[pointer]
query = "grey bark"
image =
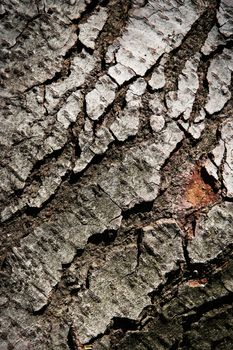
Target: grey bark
[{"x": 116, "y": 174}]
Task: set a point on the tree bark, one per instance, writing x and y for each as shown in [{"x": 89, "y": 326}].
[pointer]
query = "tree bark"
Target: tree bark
[{"x": 116, "y": 174}]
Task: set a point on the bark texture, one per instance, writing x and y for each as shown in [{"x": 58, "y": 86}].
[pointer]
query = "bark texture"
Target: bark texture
[{"x": 116, "y": 170}]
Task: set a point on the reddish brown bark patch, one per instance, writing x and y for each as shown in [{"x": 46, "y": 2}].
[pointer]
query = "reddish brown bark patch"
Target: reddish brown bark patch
[
  {"x": 197, "y": 192},
  {"x": 197, "y": 283}
]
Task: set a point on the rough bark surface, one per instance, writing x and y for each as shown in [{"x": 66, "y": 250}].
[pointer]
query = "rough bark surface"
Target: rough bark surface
[{"x": 116, "y": 171}]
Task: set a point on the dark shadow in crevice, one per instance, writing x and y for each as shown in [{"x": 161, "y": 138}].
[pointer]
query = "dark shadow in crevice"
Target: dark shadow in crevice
[
  {"x": 88, "y": 11},
  {"x": 78, "y": 254},
  {"x": 34, "y": 211},
  {"x": 40, "y": 311},
  {"x": 218, "y": 51},
  {"x": 54, "y": 79},
  {"x": 206, "y": 307},
  {"x": 209, "y": 180},
  {"x": 172, "y": 279},
  {"x": 75, "y": 177},
  {"x": 70, "y": 340},
  {"x": 77, "y": 48},
  {"x": 124, "y": 324},
  {"x": 143, "y": 207},
  {"x": 106, "y": 238}
]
